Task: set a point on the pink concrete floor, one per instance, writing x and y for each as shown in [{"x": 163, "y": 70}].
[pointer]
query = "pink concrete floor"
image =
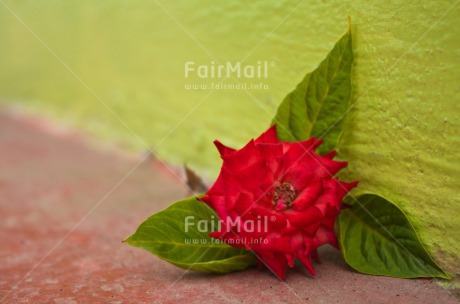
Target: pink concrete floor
[{"x": 65, "y": 206}]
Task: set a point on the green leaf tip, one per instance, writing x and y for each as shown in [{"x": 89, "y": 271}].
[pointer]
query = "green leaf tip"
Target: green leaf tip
[
  {"x": 377, "y": 238},
  {"x": 168, "y": 235},
  {"x": 320, "y": 102}
]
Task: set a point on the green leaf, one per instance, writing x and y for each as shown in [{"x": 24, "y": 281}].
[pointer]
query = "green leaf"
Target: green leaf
[
  {"x": 377, "y": 238},
  {"x": 165, "y": 235},
  {"x": 318, "y": 105}
]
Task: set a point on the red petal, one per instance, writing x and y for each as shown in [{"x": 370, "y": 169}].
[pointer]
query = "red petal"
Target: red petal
[
  {"x": 328, "y": 168},
  {"x": 290, "y": 260},
  {"x": 268, "y": 136},
  {"x": 242, "y": 158},
  {"x": 328, "y": 203},
  {"x": 315, "y": 256},
  {"x": 312, "y": 229},
  {"x": 276, "y": 242},
  {"x": 232, "y": 190},
  {"x": 276, "y": 221},
  {"x": 217, "y": 203},
  {"x": 330, "y": 155},
  {"x": 298, "y": 176},
  {"x": 243, "y": 204},
  {"x": 308, "y": 195},
  {"x": 223, "y": 150},
  {"x": 344, "y": 188},
  {"x": 272, "y": 154},
  {"x": 277, "y": 264},
  {"x": 297, "y": 242},
  {"x": 252, "y": 177},
  {"x": 307, "y": 262},
  {"x": 304, "y": 218},
  {"x": 297, "y": 151},
  {"x": 218, "y": 188},
  {"x": 324, "y": 236},
  {"x": 311, "y": 144}
]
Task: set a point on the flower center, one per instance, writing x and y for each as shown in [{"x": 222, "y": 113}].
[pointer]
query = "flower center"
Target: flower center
[{"x": 284, "y": 195}]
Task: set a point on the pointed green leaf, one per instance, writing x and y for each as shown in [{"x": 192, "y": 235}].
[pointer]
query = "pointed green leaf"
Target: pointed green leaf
[
  {"x": 176, "y": 235},
  {"x": 377, "y": 238},
  {"x": 319, "y": 103}
]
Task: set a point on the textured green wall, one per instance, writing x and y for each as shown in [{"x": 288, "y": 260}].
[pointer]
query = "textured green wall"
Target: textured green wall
[{"x": 403, "y": 132}]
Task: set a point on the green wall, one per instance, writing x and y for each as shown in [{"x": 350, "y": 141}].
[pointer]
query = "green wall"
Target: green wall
[{"x": 402, "y": 137}]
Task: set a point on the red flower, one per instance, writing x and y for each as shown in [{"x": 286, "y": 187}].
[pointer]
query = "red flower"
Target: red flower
[{"x": 278, "y": 199}]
